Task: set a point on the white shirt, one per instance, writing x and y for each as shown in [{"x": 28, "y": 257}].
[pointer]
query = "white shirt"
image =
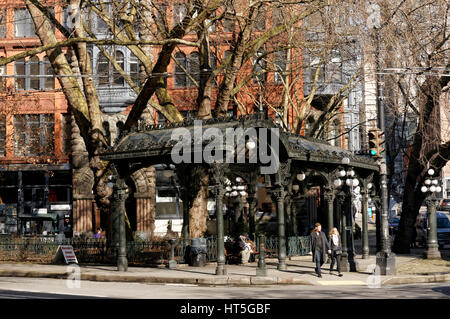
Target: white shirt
[{"x": 335, "y": 239}]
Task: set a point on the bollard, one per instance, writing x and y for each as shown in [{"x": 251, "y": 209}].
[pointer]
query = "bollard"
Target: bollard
[
  {"x": 261, "y": 270},
  {"x": 172, "y": 261}
]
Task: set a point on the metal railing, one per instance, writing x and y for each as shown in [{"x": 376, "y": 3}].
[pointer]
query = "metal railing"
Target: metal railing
[{"x": 138, "y": 252}]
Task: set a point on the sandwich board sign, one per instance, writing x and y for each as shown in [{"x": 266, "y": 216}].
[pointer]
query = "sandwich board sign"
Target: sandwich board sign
[{"x": 66, "y": 252}]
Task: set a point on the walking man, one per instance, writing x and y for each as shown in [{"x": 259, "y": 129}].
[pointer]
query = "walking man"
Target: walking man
[{"x": 319, "y": 247}]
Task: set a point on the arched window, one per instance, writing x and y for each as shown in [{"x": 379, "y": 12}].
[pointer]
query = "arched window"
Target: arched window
[
  {"x": 34, "y": 72},
  {"x": 180, "y": 74},
  {"x": 107, "y": 74},
  {"x": 179, "y": 12},
  {"x": 277, "y": 16},
  {"x": 117, "y": 78},
  {"x": 134, "y": 69},
  {"x": 102, "y": 70},
  {"x": 194, "y": 68},
  {"x": 260, "y": 23}
]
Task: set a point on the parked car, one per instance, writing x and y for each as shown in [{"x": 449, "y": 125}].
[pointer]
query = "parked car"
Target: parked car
[
  {"x": 393, "y": 225},
  {"x": 445, "y": 205},
  {"x": 442, "y": 228}
]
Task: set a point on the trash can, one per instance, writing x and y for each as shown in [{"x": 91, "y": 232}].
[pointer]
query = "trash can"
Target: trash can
[{"x": 198, "y": 252}]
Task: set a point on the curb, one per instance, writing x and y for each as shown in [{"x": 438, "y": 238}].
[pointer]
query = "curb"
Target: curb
[
  {"x": 419, "y": 279},
  {"x": 216, "y": 281}
]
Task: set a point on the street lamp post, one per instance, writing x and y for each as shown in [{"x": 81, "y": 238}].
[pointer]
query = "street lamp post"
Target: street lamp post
[
  {"x": 385, "y": 258},
  {"x": 347, "y": 179},
  {"x": 237, "y": 191},
  {"x": 430, "y": 188}
]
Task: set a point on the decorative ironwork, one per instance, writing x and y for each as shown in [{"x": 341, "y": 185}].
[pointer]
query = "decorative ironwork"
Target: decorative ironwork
[{"x": 98, "y": 250}]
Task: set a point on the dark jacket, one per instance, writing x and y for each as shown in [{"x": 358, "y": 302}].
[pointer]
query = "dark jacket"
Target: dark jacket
[
  {"x": 322, "y": 237},
  {"x": 334, "y": 248}
]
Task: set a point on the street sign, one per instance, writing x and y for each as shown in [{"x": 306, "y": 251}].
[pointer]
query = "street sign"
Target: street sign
[{"x": 67, "y": 252}]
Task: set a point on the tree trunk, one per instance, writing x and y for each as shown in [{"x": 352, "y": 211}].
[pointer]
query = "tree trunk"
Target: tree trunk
[{"x": 198, "y": 214}]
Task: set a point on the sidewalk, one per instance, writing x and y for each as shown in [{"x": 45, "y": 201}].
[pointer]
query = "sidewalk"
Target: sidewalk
[{"x": 300, "y": 271}]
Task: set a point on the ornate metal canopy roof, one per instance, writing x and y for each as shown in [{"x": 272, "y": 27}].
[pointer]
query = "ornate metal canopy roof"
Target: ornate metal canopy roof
[{"x": 155, "y": 142}]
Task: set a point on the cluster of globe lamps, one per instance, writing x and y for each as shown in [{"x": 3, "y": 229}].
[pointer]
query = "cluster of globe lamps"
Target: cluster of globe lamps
[{"x": 431, "y": 184}]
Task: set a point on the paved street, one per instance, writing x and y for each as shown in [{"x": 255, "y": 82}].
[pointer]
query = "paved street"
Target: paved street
[{"x": 56, "y": 288}]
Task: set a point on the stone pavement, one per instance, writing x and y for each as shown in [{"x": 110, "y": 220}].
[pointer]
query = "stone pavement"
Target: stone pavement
[{"x": 300, "y": 271}]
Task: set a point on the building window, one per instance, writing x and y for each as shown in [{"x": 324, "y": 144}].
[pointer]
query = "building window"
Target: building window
[
  {"x": 335, "y": 67},
  {"x": 259, "y": 67},
  {"x": 194, "y": 68},
  {"x": 30, "y": 74},
  {"x": 260, "y": 20},
  {"x": 313, "y": 69},
  {"x": 107, "y": 74},
  {"x": 184, "y": 66},
  {"x": 34, "y": 73},
  {"x": 2, "y": 23},
  {"x": 49, "y": 80},
  {"x": 117, "y": 78},
  {"x": 180, "y": 69},
  {"x": 134, "y": 69},
  {"x": 23, "y": 24},
  {"x": 20, "y": 69},
  {"x": 277, "y": 16},
  {"x": 2, "y": 135},
  {"x": 161, "y": 22},
  {"x": 102, "y": 27},
  {"x": 179, "y": 13},
  {"x": 66, "y": 133},
  {"x": 2, "y": 79},
  {"x": 33, "y": 134},
  {"x": 228, "y": 21},
  {"x": 280, "y": 66}
]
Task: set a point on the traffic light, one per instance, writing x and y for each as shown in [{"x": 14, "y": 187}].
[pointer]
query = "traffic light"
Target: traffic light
[{"x": 376, "y": 143}]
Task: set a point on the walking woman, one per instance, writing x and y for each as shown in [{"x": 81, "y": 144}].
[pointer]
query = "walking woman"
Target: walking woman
[
  {"x": 319, "y": 247},
  {"x": 335, "y": 250}
]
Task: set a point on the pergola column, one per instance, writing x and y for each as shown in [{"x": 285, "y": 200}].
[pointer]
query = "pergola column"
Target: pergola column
[
  {"x": 251, "y": 200},
  {"x": 365, "y": 223},
  {"x": 329, "y": 198},
  {"x": 343, "y": 217},
  {"x": 118, "y": 214},
  {"x": 185, "y": 229},
  {"x": 288, "y": 209},
  {"x": 279, "y": 195},
  {"x": 220, "y": 191},
  {"x": 217, "y": 173},
  {"x": 432, "y": 251}
]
